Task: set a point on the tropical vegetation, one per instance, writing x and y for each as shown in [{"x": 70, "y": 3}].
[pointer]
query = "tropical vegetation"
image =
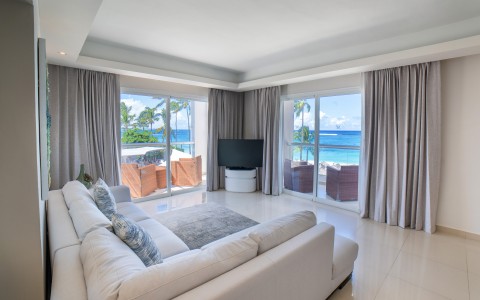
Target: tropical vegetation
[
  {"x": 125, "y": 117},
  {"x": 132, "y": 124},
  {"x": 303, "y": 135},
  {"x": 132, "y": 136}
]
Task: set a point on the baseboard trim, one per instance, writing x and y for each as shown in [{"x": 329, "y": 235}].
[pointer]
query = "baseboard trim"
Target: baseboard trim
[{"x": 459, "y": 233}]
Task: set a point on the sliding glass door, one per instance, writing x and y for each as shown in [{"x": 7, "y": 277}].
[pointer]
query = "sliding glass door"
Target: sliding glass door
[
  {"x": 163, "y": 144},
  {"x": 299, "y": 145},
  {"x": 321, "y": 148},
  {"x": 188, "y": 143},
  {"x": 340, "y": 119}
]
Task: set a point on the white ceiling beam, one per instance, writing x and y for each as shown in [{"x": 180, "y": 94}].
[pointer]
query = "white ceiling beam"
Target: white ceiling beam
[{"x": 441, "y": 51}]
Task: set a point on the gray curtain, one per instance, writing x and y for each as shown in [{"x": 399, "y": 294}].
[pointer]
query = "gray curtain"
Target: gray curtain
[
  {"x": 225, "y": 121},
  {"x": 266, "y": 126},
  {"x": 85, "y": 124},
  {"x": 400, "y": 160}
]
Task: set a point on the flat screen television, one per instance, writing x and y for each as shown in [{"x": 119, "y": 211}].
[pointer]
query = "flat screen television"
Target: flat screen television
[{"x": 240, "y": 154}]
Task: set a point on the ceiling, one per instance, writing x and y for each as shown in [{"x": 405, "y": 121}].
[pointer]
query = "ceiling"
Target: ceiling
[{"x": 246, "y": 44}]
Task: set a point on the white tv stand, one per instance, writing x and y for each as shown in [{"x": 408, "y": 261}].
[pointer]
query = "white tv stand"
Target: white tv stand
[{"x": 241, "y": 180}]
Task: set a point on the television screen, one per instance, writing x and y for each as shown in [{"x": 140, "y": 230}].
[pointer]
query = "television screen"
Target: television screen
[{"x": 240, "y": 153}]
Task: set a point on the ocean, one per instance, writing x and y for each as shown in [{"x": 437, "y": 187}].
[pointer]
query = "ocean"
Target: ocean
[
  {"x": 180, "y": 135},
  {"x": 327, "y": 138},
  {"x": 336, "y": 155}
]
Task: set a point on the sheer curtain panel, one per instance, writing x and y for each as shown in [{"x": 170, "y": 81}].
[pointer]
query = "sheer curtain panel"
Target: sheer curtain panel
[{"x": 400, "y": 160}]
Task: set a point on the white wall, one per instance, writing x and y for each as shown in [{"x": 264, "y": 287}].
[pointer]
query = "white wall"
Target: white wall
[
  {"x": 459, "y": 205},
  {"x": 21, "y": 210}
]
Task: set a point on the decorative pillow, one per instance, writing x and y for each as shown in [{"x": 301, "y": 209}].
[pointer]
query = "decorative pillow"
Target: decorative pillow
[
  {"x": 104, "y": 198},
  {"x": 137, "y": 239}
]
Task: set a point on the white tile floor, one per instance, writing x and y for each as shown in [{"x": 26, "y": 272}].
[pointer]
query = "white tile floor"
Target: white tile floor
[{"x": 393, "y": 263}]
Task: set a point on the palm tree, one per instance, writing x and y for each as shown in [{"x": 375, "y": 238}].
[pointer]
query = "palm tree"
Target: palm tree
[
  {"x": 175, "y": 108},
  {"x": 185, "y": 104},
  {"x": 125, "y": 117},
  {"x": 304, "y": 136},
  {"x": 299, "y": 107},
  {"x": 163, "y": 128},
  {"x": 142, "y": 120},
  {"x": 150, "y": 115}
]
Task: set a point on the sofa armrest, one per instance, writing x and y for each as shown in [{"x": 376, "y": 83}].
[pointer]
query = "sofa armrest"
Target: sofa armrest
[{"x": 121, "y": 193}]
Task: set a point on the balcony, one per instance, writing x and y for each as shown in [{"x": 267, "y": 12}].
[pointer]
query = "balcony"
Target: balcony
[{"x": 144, "y": 168}]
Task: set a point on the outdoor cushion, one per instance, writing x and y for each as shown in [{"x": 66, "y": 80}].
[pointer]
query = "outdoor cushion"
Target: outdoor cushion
[{"x": 272, "y": 233}]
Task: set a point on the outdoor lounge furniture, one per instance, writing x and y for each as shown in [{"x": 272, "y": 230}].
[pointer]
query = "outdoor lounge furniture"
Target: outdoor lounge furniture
[
  {"x": 342, "y": 184},
  {"x": 161, "y": 177},
  {"x": 298, "y": 176},
  {"x": 187, "y": 171},
  {"x": 141, "y": 180}
]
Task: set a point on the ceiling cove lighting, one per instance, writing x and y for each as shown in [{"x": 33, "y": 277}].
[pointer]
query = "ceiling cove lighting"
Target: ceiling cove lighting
[{"x": 62, "y": 53}]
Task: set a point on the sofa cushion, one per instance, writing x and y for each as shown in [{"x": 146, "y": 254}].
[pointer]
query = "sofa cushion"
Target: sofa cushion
[
  {"x": 107, "y": 261},
  {"x": 168, "y": 243},
  {"x": 60, "y": 227},
  {"x": 179, "y": 275},
  {"x": 345, "y": 252},
  {"x": 272, "y": 233},
  {"x": 137, "y": 238},
  {"x": 131, "y": 211},
  {"x": 104, "y": 198},
  {"x": 84, "y": 212},
  {"x": 75, "y": 191},
  {"x": 67, "y": 275},
  {"x": 121, "y": 193}
]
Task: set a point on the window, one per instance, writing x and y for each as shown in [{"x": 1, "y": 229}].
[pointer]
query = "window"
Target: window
[
  {"x": 322, "y": 136},
  {"x": 164, "y": 144}
]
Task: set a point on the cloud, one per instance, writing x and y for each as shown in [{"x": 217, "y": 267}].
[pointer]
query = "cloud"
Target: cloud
[
  {"x": 136, "y": 105},
  {"x": 308, "y": 120}
]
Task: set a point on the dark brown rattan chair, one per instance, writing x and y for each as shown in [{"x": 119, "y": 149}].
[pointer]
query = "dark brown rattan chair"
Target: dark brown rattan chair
[
  {"x": 298, "y": 176},
  {"x": 342, "y": 184}
]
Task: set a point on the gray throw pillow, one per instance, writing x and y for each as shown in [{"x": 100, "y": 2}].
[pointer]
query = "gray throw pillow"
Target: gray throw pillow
[
  {"x": 104, "y": 198},
  {"x": 137, "y": 239}
]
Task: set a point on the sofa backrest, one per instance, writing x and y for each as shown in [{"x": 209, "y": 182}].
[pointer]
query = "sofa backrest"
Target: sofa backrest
[{"x": 275, "y": 232}]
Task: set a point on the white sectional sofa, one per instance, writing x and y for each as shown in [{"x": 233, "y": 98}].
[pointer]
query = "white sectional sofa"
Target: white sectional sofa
[{"x": 288, "y": 258}]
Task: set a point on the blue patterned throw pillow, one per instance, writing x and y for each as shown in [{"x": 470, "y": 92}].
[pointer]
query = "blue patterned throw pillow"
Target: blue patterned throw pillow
[
  {"x": 104, "y": 198},
  {"x": 137, "y": 239}
]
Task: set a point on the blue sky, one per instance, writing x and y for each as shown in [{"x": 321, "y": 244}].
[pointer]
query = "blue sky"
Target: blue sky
[
  {"x": 336, "y": 112},
  {"x": 342, "y": 112}
]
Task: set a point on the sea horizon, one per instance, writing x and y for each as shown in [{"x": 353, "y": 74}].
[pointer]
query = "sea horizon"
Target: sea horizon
[{"x": 326, "y": 137}]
